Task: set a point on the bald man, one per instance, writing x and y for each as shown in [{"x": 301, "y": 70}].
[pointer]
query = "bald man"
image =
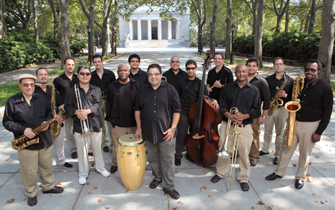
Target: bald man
[
  {"x": 120, "y": 101},
  {"x": 174, "y": 74}
]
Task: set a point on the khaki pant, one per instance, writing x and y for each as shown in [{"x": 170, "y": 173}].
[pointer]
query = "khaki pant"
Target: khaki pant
[
  {"x": 278, "y": 119},
  {"x": 117, "y": 132},
  {"x": 244, "y": 143},
  {"x": 30, "y": 161},
  {"x": 303, "y": 136},
  {"x": 102, "y": 112},
  {"x": 254, "y": 150},
  {"x": 71, "y": 143}
]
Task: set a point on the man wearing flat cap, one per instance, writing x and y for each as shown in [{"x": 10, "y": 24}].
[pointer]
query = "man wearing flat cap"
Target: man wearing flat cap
[{"x": 24, "y": 112}]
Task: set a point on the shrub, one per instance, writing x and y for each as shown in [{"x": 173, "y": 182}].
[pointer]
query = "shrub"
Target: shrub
[{"x": 76, "y": 46}]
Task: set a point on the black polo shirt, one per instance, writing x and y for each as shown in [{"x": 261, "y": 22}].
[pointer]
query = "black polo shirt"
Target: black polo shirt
[
  {"x": 107, "y": 78},
  {"x": 246, "y": 99},
  {"x": 140, "y": 76},
  {"x": 224, "y": 75},
  {"x": 188, "y": 91},
  {"x": 17, "y": 117},
  {"x": 264, "y": 90},
  {"x": 90, "y": 100},
  {"x": 316, "y": 104},
  {"x": 62, "y": 83},
  {"x": 275, "y": 84},
  {"x": 173, "y": 78},
  {"x": 156, "y": 110}
]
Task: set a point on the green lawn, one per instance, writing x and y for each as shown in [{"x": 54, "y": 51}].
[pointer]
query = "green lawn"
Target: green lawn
[{"x": 8, "y": 90}]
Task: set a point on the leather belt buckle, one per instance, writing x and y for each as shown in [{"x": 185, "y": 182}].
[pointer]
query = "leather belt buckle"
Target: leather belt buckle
[{"x": 241, "y": 126}]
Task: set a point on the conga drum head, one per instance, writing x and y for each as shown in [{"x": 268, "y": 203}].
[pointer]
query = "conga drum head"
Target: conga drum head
[{"x": 129, "y": 140}]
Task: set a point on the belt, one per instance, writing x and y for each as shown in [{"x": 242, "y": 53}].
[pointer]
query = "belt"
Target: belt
[{"x": 240, "y": 126}]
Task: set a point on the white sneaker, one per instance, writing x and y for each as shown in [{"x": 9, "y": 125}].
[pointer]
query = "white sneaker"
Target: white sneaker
[
  {"x": 105, "y": 173},
  {"x": 82, "y": 180}
]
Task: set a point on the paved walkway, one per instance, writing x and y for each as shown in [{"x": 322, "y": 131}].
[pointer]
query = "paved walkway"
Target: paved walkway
[{"x": 193, "y": 182}]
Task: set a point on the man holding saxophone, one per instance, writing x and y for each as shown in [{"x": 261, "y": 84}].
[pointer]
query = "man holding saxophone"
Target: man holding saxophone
[
  {"x": 246, "y": 98},
  {"x": 316, "y": 102}
]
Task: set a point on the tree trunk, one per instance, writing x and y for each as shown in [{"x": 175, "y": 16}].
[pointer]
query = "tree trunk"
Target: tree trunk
[
  {"x": 287, "y": 18},
  {"x": 258, "y": 32},
  {"x": 327, "y": 39},
  {"x": 114, "y": 27},
  {"x": 65, "y": 27},
  {"x": 213, "y": 31},
  {"x": 2, "y": 19},
  {"x": 228, "y": 30},
  {"x": 35, "y": 19},
  {"x": 280, "y": 13},
  {"x": 312, "y": 17},
  {"x": 27, "y": 10},
  {"x": 55, "y": 13}
]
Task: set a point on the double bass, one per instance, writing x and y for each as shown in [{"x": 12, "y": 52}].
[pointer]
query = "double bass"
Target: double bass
[{"x": 203, "y": 141}]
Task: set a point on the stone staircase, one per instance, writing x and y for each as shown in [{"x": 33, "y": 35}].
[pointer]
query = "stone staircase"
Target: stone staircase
[{"x": 154, "y": 44}]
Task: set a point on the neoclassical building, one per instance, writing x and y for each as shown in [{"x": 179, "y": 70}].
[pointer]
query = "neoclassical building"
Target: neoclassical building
[{"x": 150, "y": 30}]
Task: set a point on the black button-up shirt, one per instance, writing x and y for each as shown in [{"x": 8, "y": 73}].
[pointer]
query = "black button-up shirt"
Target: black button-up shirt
[
  {"x": 48, "y": 94},
  {"x": 173, "y": 78},
  {"x": 156, "y": 110},
  {"x": 316, "y": 104},
  {"x": 188, "y": 91},
  {"x": 17, "y": 117},
  {"x": 246, "y": 99},
  {"x": 107, "y": 78},
  {"x": 263, "y": 88},
  {"x": 275, "y": 84},
  {"x": 120, "y": 103},
  {"x": 140, "y": 76},
  {"x": 224, "y": 75},
  {"x": 62, "y": 83},
  {"x": 90, "y": 100}
]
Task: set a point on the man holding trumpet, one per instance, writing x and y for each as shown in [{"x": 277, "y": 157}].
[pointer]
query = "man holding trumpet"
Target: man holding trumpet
[{"x": 246, "y": 98}]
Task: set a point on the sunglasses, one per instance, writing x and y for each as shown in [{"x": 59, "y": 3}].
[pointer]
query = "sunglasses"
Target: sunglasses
[
  {"x": 190, "y": 68},
  {"x": 174, "y": 61},
  {"x": 85, "y": 74},
  {"x": 310, "y": 69},
  {"x": 27, "y": 85}
]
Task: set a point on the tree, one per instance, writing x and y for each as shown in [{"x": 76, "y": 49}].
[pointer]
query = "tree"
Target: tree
[
  {"x": 252, "y": 4},
  {"x": 114, "y": 27},
  {"x": 287, "y": 18},
  {"x": 2, "y": 19},
  {"x": 228, "y": 30},
  {"x": 213, "y": 31},
  {"x": 200, "y": 9},
  {"x": 280, "y": 13},
  {"x": 327, "y": 38},
  {"x": 55, "y": 12},
  {"x": 21, "y": 11},
  {"x": 35, "y": 19},
  {"x": 258, "y": 32},
  {"x": 65, "y": 27}
]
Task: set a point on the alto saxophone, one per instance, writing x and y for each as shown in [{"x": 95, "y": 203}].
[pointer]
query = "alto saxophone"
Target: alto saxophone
[
  {"x": 292, "y": 107},
  {"x": 55, "y": 126},
  {"x": 277, "y": 101}
]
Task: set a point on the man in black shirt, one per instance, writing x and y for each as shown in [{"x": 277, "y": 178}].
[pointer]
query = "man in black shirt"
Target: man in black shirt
[
  {"x": 258, "y": 81},
  {"x": 120, "y": 103},
  {"x": 316, "y": 100},
  {"x": 24, "y": 112},
  {"x": 157, "y": 112},
  {"x": 136, "y": 73},
  {"x": 62, "y": 83},
  {"x": 46, "y": 90},
  {"x": 218, "y": 77},
  {"x": 278, "y": 117},
  {"x": 245, "y": 97},
  {"x": 87, "y": 122},
  {"x": 102, "y": 77},
  {"x": 174, "y": 74},
  {"x": 188, "y": 89}
]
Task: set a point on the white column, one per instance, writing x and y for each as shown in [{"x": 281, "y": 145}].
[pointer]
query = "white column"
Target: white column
[
  {"x": 159, "y": 29},
  {"x": 139, "y": 30},
  {"x": 169, "y": 30},
  {"x": 131, "y": 30},
  {"x": 178, "y": 30},
  {"x": 149, "y": 30}
]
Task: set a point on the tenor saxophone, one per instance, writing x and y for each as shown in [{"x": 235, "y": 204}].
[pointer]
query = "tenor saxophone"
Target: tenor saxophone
[
  {"x": 55, "y": 126},
  {"x": 292, "y": 107},
  {"x": 277, "y": 101}
]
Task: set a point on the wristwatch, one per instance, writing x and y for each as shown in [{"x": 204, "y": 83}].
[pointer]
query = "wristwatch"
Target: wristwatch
[
  {"x": 174, "y": 128},
  {"x": 263, "y": 117}
]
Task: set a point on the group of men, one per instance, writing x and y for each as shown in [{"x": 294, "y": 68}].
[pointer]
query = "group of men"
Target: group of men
[{"x": 142, "y": 103}]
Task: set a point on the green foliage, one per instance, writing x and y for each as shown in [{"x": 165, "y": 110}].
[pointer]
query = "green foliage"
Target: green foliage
[
  {"x": 8, "y": 90},
  {"x": 76, "y": 46},
  {"x": 54, "y": 44},
  {"x": 244, "y": 44}
]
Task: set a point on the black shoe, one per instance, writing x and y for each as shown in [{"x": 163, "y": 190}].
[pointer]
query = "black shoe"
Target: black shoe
[
  {"x": 253, "y": 162},
  {"x": 113, "y": 169},
  {"x": 154, "y": 184},
  {"x": 215, "y": 179},
  {"x": 105, "y": 149},
  {"x": 244, "y": 186},
  {"x": 263, "y": 153},
  {"x": 299, "y": 183},
  {"x": 32, "y": 201},
  {"x": 177, "y": 161},
  {"x": 172, "y": 193},
  {"x": 74, "y": 155},
  {"x": 90, "y": 154},
  {"x": 275, "y": 161},
  {"x": 272, "y": 176},
  {"x": 67, "y": 165},
  {"x": 55, "y": 189}
]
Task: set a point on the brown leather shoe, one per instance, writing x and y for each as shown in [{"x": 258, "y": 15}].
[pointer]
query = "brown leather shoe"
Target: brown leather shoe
[
  {"x": 32, "y": 201},
  {"x": 55, "y": 189}
]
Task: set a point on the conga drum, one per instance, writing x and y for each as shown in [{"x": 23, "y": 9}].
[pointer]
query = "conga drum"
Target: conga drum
[{"x": 131, "y": 161}]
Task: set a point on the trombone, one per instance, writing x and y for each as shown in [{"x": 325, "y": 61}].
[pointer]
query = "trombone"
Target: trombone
[{"x": 85, "y": 126}]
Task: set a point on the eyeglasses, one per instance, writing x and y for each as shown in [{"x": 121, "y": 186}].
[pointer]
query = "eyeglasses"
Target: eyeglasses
[
  {"x": 85, "y": 74},
  {"x": 28, "y": 84},
  {"x": 310, "y": 69},
  {"x": 154, "y": 74},
  {"x": 190, "y": 68},
  {"x": 135, "y": 61},
  {"x": 279, "y": 64},
  {"x": 174, "y": 61}
]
